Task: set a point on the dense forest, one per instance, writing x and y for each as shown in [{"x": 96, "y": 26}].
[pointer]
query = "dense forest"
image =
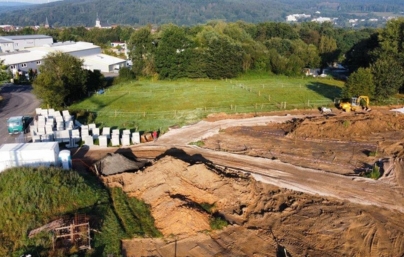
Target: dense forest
[{"x": 186, "y": 12}]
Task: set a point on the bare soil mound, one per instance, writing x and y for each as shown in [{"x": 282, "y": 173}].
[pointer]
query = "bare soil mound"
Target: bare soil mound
[
  {"x": 348, "y": 144},
  {"x": 265, "y": 220}
]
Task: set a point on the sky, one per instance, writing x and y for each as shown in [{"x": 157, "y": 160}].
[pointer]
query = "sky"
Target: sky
[{"x": 30, "y": 1}]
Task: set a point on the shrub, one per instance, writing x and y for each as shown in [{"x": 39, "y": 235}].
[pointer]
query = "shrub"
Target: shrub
[
  {"x": 374, "y": 173},
  {"x": 218, "y": 222},
  {"x": 198, "y": 143}
]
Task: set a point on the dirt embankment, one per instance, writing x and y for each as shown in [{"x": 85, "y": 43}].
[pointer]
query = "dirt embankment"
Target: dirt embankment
[
  {"x": 347, "y": 144},
  {"x": 265, "y": 220}
]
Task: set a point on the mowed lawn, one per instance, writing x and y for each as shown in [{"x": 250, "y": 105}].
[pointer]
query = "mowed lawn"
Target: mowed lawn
[{"x": 146, "y": 105}]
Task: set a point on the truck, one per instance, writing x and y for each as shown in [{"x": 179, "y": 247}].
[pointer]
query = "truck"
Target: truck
[
  {"x": 18, "y": 124},
  {"x": 29, "y": 154}
]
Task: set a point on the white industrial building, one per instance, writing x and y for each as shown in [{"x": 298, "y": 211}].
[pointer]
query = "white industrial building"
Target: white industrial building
[
  {"x": 16, "y": 43},
  {"x": 28, "y": 52}
]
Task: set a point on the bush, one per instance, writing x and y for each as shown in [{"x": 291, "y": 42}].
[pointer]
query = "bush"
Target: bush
[
  {"x": 126, "y": 74},
  {"x": 218, "y": 222},
  {"x": 374, "y": 173}
]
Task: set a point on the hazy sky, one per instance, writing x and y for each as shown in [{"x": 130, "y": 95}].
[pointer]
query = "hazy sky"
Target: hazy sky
[{"x": 30, "y": 1}]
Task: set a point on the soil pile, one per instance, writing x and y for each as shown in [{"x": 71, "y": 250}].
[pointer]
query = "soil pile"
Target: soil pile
[
  {"x": 265, "y": 220},
  {"x": 349, "y": 126},
  {"x": 348, "y": 144}
]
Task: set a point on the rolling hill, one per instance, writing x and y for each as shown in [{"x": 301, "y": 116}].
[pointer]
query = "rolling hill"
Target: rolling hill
[{"x": 183, "y": 12}]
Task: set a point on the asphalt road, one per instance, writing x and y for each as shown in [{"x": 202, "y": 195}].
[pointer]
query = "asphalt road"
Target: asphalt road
[{"x": 17, "y": 100}]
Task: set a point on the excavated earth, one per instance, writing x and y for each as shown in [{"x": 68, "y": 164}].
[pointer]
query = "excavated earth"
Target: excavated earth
[{"x": 288, "y": 185}]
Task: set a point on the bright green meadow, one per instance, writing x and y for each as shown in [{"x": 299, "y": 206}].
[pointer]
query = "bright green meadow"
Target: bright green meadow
[{"x": 146, "y": 105}]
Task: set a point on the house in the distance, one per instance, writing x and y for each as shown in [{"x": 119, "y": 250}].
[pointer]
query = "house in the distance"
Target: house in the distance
[{"x": 27, "y": 57}]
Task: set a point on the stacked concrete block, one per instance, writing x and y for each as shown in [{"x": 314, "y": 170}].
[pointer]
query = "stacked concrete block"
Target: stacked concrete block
[
  {"x": 49, "y": 129},
  {"x": 47, "y": 138},
  {"x": 95, "y": 132},
  {"x": 106, "y": 131},
  {"x": 51, "y": 112},
  {"x": 75, "y": 135},
  {"x": 135, "y": 138},
  {"x": 65, "y": 113},
  {"x": 125, "y": 140},
  {"x": 103, "y": 140},
  {"x": 40, "y": 124},
  {"x": 91, "y": 126},
  {"x": 126, "y": 132},
  {"x": 44, "y": 113},
  {"x": 38, "y": 111},
  {"x": 33, "y": 130},
  {"x": 84, "y": 131},
  {"x": 115, "y": 140},
  {"x": 57, "y": 114},
  {"x": 50, "y": 121},
  {"x": 88, "y": 140},
  {"x": 62, "y": 136},
  {"x": 60, "y": 125},
  {"x": 69, "y": 124},
  {"x": 115, "y": 132}
]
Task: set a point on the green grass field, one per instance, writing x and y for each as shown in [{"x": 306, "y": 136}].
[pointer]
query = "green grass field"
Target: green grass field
[
  {"x": 32, "y": 197},
  {"x": 146, "y": 105}
]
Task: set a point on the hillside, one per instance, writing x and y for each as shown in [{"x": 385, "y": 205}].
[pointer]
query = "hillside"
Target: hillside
[
  {"x": 11, "y": 6},
  {"x": 183, "y": 12}
]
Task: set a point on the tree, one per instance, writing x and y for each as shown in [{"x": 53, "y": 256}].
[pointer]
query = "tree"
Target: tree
[
  {"x": 359, "y": 83},
  {"x": 388, "y": 77},
  {"x": 95, "y": 80},
  {"x": 3, "y": 73},
  {"x": 142, "y": 48},
  {"x": 173, "y": 53},
  {"x": 61, "y": 80},
  {"x": 224, "y": 58},
  {"x": 328, "y": 50}
]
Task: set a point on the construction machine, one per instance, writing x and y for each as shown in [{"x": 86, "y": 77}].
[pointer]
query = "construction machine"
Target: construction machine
[{"x": 354, "y": 104}]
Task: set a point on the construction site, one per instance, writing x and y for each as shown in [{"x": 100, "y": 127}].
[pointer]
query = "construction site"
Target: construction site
[{"x": 296, "y": 183}]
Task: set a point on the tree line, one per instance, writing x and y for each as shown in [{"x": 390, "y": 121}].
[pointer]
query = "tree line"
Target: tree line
[{"x": 219, "y": 50}]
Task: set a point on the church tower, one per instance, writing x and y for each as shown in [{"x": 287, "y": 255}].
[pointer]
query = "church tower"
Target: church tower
[
  {"x": 97, "y": 22},
  {"x": 47, "y": 23}
]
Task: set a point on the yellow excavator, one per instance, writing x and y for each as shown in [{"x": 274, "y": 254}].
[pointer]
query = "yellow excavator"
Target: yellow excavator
[{"x": 354, "y": 104}]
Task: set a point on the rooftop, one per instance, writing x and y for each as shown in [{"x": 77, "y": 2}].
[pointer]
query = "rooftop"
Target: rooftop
[{"x": 27, "y": 37}]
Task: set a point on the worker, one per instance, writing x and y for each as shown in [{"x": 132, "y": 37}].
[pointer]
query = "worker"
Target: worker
[{"x": 155, "y": 135}]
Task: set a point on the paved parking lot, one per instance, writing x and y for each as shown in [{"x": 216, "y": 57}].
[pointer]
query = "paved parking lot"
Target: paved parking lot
[{"x": 18, "y": 100}]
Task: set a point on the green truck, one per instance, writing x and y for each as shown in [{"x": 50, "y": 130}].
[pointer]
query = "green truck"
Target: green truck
[{"x": 18, "y": 124}]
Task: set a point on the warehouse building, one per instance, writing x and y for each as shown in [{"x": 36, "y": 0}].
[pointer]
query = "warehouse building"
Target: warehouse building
[{"x": 22, "y": 54}]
